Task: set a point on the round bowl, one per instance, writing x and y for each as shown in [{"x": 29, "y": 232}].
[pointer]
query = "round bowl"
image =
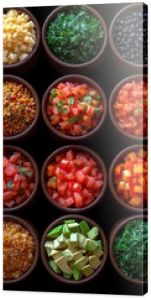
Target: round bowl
[
  {"x": 120, "y": 59},
  {"x": 79, "y": 79},
  {"x": 9, "y": 149},
  {"x": 32, "y": 231},
  {"x": 44, "y": 256},
  {"x": 114, "y": 93},
  {"x": 116, "y": 160},
  {"x": 31, "y": 59},
  {"x": 116, "y": 229},
  {"x": 54, "y": 60},
  {"x": 30, "y": 130},
  {"x": 94, "y": 156}
]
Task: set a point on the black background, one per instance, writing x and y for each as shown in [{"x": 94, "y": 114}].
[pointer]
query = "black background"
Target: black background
[{"x": 107, "y": 143}]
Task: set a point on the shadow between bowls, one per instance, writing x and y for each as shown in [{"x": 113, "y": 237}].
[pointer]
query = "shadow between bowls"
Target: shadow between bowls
[
  {"x": 64, "y": 67},
  {"x": 125, "y": 64},
  {"x": 100, "y": 163},
  {"x": 29, "y": 132},
  {"x": 120, "y": 156},
  {"x": 33, "y": 232},
  {"x": 9, "y": 149},
  {"x": 114, "y": 232},
  {"x": 112, "y": 99},
  {"x": 44, "y": 256},
  {"x": 78, "y": 79},
  {"x": 32, "y": 57}
]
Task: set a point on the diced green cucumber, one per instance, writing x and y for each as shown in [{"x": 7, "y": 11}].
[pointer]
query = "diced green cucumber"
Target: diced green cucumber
[
  {"x": 77, "y": 255},
  {"x": 77, "y": 275},
  {"x": 48, "y": 245},
  {"x": 90, "y": 245},
  {"x": 68, "y": 254},
  {"x": 73, "y": 227},
  {"x": 94, "y": 262},
  {"x": 81, "y": 262},
  {"x": 56, "y": 254},
  {"x": 100, "y": 244},
  {"x": 66, "y": 231},
  {"x": 63, "y": 265},
  {"x": 84, "y": 227},
  {"x": 69, "y": 221},
  {"x": 55, "y": 232},
  {"x": 54, "y": 266},
  {"x": 87, "y": 271},
  {"x": 93, "y": 233},
  {"x": 62, "y": 241},
  {"x": 67, "y": 276},
  {"x": 56, "y": 244},
  {"x": 99, "y": 253},
  {"x": 74, "y": 239},
  {"x": 81, "y": 240}
]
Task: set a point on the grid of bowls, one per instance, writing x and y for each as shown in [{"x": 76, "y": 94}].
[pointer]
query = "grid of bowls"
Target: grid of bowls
[{"x": 108, "y": 104}]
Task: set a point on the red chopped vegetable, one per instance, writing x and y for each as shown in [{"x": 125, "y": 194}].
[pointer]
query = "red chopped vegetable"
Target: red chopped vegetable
[
  {"x": 74, "y": 109},
  {"x": 18, "y": 179},
  {"x": 131, "y": 179},
  {"x": 74, "y": 179},
  {"x": 131, "y": 108}
]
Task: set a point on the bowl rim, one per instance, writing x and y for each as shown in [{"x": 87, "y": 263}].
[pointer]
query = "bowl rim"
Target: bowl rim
[
  {"x": 29, "y": 227},
  {"x": 20, "y": 80},
  {"x": 114, "y": 232},
  {"x": 52, "y": 56},
  {"x": 9, "y": 67},
  {"x": 111, "y": 40},
  {"x": 36, "y": 171},
  {"x": 73, "y": 78},
  {"x": 102, "y": 235},
  {"x": 96, "y": 158},
  {"x": 116, "y": 159},
  {"x": 112, "y": 99}
]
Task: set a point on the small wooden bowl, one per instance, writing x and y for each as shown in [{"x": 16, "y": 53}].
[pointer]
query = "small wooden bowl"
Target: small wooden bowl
[
  {"x": 32, "y": 57},
  {"x": 58, "y": 64},
  {"x": 115, "y": 231},
  {"x": 45, "y": 259},
  {"x": 100, "y": 164},
  {"x": 125, "y": 64},
  {"x": 32, "y": 231},
  {"x": 112, "y": 99},
  {"x": 115, "y": 161},
  {"x": 29, "y": 200},
  {"x": 32, "y": 127},
  {"x": 78, "y": 79}
]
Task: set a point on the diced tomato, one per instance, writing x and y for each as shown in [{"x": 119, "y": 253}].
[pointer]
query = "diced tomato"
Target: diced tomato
[
  {"x": 78, "y": 200},
  {"x": 64, "y": 164},
  {"x": 70, "y": 155},
  {"x": 9, "y": 195},
  {"x": 51, "y": 170},
  {"x": 80, "y": 177},
  {"x": 5, "y": 162},
  {"x": 14, "y": 157}
]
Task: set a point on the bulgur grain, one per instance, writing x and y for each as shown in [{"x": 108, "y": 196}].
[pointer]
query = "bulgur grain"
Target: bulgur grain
[
  {"x": 19, "y": 108},
  {"x": 18, "y": 250}
]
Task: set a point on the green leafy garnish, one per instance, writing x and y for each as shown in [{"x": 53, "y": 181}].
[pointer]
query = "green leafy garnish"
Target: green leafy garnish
[
  {"x": 74, "y": 119},
  {"x": 130, "y": 249},
  {"x": 75, "y": 36},
  {"x": 71, "y": 100},
  {"x": 88, "y": 99},
  {"x": 9, "y": 185},
  {"x": 53, "y": 93}
]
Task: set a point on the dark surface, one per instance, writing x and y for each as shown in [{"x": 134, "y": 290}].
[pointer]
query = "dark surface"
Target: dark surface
[{"x": 107, "y": 143}]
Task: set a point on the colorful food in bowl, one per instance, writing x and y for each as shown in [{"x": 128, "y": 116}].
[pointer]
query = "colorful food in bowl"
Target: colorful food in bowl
[
  {"x": 129, "y": 106},
  {"x": 74, "y": 178},
  {"x": 20, "y": 107},
  {"x": 74, "y": 249},
  {"x": 128, "y": 249},
  {"x": 21, "y": 38},
  {"x": 74, "y": 37},
  {"x": 20, "y": 178},
  {"x": 20, "y": 249},
  {"x": 74, "y": 107},
  {"x": 129, "y": 177},
  {"x": 129, "y": 35}
]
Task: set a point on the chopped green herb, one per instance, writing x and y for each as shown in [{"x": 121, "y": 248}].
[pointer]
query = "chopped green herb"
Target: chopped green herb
[
  {"x": 53, "y": 93},
  {"x": 9, "y": 185},
  {"x": 88, "y": 99},
  {"x": 74, "y": 119},
  {"x": 71, "y": 100},
  {"x": 75, "y": 36}
]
